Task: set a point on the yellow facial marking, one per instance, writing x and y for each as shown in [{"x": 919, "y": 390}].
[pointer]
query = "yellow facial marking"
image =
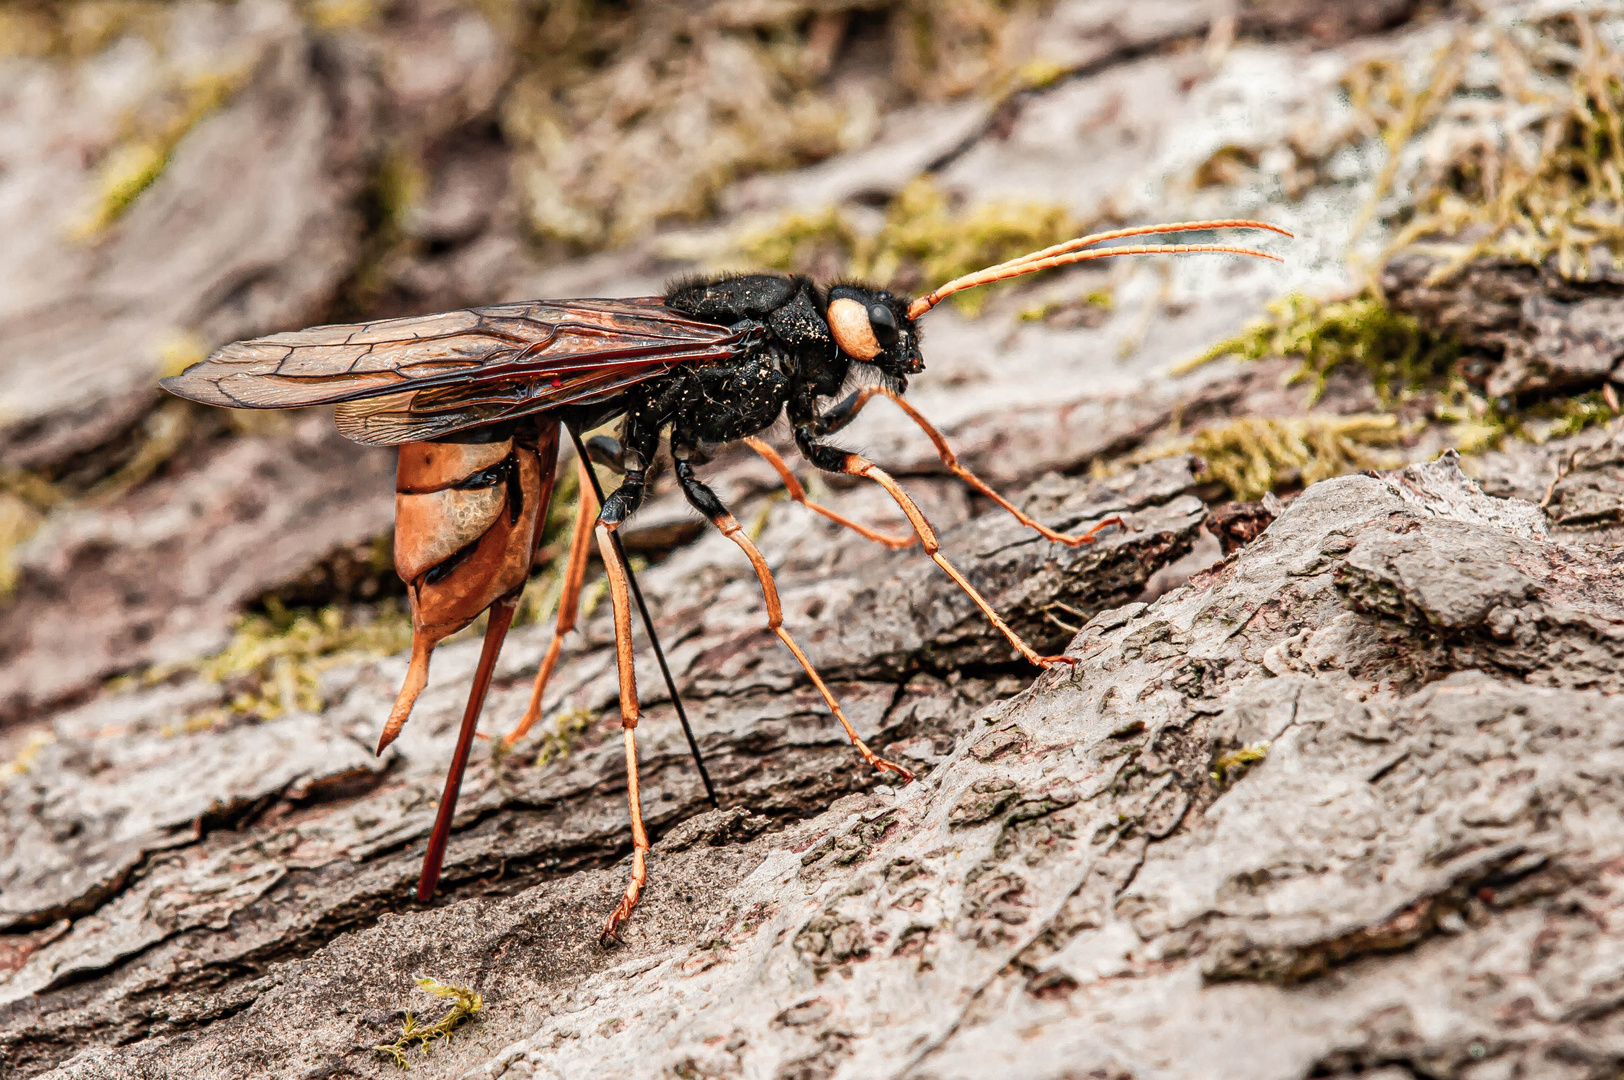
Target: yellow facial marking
[{"x": 848, "y": 319}]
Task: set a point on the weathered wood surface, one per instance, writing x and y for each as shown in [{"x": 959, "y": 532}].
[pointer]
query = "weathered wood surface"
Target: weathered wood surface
[{"x": 1415, "y": 877}]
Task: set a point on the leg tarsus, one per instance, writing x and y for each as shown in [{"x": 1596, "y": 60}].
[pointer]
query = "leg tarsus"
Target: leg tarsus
[{"x": 828, "y": 457}]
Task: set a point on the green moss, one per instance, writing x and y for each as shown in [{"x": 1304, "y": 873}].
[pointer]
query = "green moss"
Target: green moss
[
  {"x": 132, "y": 166},
  {"x": 1576, "y": 414},
  {"x": 78, "y": 28},
  {"x": 796, "y": 241},
  {"x": 921, "y": 230},
  {"x": 623, "y": 115},
  {"x": 341, "y": 14},
  {"x": 395, "y": 185},
  {"x": 25, "y": 499},
  {"x": 923, "y": 242},
  {"x": 1253, "y": 456},
  {"x": 1399, "y": 354},
  {"x": 758, "y": 524},
  {"x": 565, "y": 736},
  {"x": 1231, "y": 766},
  {"x": 162, "y": 433},
  {"x": 1090, "y": 310},
  {"x": 465, "y": 1004},
  {"x": 1477, "y": 425},
  {"x": 1556, "y": 196},
  {"x": 274, "y": 661},
  {"x": 1038, "y": 74},
  {"x": 24, "y": 760}
]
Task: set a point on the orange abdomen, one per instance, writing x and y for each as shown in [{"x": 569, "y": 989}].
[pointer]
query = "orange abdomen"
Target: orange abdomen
[{"x": 467, "y": 520}]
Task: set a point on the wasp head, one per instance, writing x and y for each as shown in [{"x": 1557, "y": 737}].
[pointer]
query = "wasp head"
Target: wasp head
[{"x": 872, "y": 327}]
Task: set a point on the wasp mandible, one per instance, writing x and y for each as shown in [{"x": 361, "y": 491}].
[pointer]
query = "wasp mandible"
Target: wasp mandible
[{"x": 475, "y": 400}]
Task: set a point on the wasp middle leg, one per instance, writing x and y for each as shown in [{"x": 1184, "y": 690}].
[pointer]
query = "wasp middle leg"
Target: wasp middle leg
[
  {"x": 630, "y": 713},
  {"x": 642, "y": 438},
  {"x": 704, "y": 500}
]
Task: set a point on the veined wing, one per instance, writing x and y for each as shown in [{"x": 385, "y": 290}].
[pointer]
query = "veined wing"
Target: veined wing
[
  {"x": 416, "y": 416},
  {"x": 558, "y": 348}
]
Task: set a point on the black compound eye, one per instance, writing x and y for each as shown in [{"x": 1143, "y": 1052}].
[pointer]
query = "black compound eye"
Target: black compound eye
[{"x": 884, "y": 322}]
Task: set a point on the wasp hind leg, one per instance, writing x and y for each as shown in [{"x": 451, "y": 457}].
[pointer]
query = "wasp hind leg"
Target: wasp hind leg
[
  {"x": 466, "y": 517},
  {"x": 705, "y": 501},
  {"x": 569, "y": 602},
  {"x": 501, "y": 616},
  {"x": 620, "y": 600}
]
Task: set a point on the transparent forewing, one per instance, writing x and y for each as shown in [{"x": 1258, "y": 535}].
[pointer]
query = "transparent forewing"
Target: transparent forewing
[{"x": 557, "y": 348}]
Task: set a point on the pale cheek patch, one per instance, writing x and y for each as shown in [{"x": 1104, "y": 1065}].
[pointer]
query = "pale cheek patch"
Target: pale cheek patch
[{"x": 848, "y": 320}]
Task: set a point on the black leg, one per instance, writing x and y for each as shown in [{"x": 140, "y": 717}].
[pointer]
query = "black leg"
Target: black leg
[{"x": 843, "y": 411}]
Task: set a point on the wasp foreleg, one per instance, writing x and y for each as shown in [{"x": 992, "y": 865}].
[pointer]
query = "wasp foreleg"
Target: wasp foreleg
[
  {"x": 798, "y": 493},
  {"x": 833, "y": 459},
  {"x": 845, "y": 411}
]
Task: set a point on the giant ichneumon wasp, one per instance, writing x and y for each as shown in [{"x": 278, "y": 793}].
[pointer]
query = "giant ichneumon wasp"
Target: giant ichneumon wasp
[{"x": 475, "y": 399}]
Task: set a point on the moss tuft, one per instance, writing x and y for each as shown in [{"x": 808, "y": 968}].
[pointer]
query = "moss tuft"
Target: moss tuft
[
  {"x": 465, "y": 1004},
  {"x": 274, "y": 661},
  {"x": 1253, "y": 456},
  {"x": 1576, "y": 414},
  {"x": 630, "y": 113},
  {"x": 1548, "y": 189},
  {"x": 132, "y": 167},
  {"x": 1233, "y": 765},
  {"x": 798, "y": 241},
  {"x": 1400, "y": 355},
  {"x": 341, "y": 14},
  {"x": 78, "y": 28},
  {"x": 19, "y": 765},
  {"x": 565, "y": 736},
  {"x": 25, "y": 499}
]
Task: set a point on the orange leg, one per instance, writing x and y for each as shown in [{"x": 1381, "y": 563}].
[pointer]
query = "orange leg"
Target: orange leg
[
  {"x": 705, "y": 501},
  {"x": 620, "y": 599},
  {"x": 951, "y": 460},
  {"x": 495, "y": 630},
  {"x": 857, "y": 465},
  {"x": 775, "y": 622},
  {"x": 569, "y": 602},
  {"x": 798, "y": 493}
]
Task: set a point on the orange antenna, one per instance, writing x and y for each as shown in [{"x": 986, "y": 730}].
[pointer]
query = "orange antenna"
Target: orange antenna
[{"x": 1066, "y": 253}]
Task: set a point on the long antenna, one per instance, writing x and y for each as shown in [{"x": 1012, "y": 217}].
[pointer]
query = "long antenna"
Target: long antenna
[
  {"x": 1065, "y": 253},
  {"x": 648, "y": 624}
]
